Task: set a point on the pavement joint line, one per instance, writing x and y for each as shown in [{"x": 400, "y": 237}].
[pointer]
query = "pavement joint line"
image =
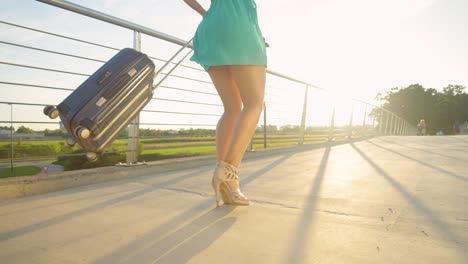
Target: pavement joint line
[
  {"x": 186, "y": 191},
  {"x": 261, "y": 202}
]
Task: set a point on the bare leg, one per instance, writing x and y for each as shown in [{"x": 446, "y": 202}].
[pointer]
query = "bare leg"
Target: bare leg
[
  {"x": 237, "y": 86},
  {"x": 250, "y": 81},
  {"x": 229, "y": 93}
]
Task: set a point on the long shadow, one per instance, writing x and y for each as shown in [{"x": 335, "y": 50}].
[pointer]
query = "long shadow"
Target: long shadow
[
  {"x": 93, "y": 208},
  {"x": 82, "y": 190},
  {"x": 417, "y": 204},
  {"x": 152, "y": 249},
  {"x": 36, "y": 207},
  {"x": 253, "y": 176},
  {"x": 421, "y": 150},
  {"x": 459, "y": 138},
  {"x": 456, "y": 176},
  {"x": 171, "y": 243},
  {"x": 299, "y": 242}
]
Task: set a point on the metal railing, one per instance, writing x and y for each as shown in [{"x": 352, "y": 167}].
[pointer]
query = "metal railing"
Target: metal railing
[{"x": 187, "y": 97}]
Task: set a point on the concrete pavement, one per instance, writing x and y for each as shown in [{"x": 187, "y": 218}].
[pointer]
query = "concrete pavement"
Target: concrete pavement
[{"x": 384, "y": 200}]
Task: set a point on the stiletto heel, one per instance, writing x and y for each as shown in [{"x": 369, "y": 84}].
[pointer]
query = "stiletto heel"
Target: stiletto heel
[
  {"x": 215, "y": 184},
  {"x": 223, "y": 174}
]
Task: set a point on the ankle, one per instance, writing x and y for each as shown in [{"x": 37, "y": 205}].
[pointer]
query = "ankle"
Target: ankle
[{"x": 230, "y": 163}]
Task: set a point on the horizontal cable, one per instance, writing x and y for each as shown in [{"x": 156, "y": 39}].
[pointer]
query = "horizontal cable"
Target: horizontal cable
[
  {"x": 181, "y": 65},
  {"x": 187, "y": 78},
  {"x": 82, "y": 41},
  {"x": 41, "y": 158},
  {"x": 44, "y": 69},
  {"x": 19, "y": 103},
  {"x": 144, "y": 124},
  {"x": 161, "y": 124},
  {"x": 37, "y": 86},
  {"x": 83, "y": 74},
  {"x": 186, "y": 90},
  {"x": 28, "y": 122},
  {"x": 178, "y": 113},
  {"x": 79, "y": 57},
  {"x": 50, "y": 51},
  {"x": 60, "y": 36},
  {"x": 188, "y": 102}
]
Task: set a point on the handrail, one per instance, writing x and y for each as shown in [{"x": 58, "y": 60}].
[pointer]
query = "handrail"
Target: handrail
[
  {"x": 113, "y": 20},
  {"x": 132, "y": 26}
]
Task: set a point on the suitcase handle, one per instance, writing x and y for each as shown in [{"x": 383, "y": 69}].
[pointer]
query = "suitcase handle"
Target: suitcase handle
[
  {"x": 170, "y": 61},
  {"x": 104, "y": 77}
]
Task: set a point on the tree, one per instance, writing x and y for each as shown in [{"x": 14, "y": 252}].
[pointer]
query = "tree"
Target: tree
[
  {"x": 439, "y": 109},
  {"x": 23, "y": 129},
  {"x": 7, "y": 128}
]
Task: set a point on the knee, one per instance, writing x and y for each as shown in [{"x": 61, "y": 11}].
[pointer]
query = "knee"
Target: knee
[
  {"x": 254, "y": 104},
  {"x": 233, "y": 110}
]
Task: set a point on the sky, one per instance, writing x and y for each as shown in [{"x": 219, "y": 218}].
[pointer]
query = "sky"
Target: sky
[{"x": 350, "y": 48}]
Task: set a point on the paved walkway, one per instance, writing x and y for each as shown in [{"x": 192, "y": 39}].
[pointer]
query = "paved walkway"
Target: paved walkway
[{"x": 385, "y": 200}]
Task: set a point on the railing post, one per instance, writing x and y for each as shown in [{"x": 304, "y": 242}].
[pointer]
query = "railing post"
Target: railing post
[
  {"x": 332, "y": 125},
  {"x": 395, "y": 125},
  {"x": 364, "y": 120},
  {"x": 387, "y": 121},
  {"x": 133, "y": 137},
  {"x": 11, "y": 140},
  {"x": 381, "y": 120},
  {"x": 304, "y": 116},
  {"x": 392, "y": 119},
  {"x": 398, "y": 126},
  {"x": 401, "y": 127},
  {"x": 373, "y": 126},
  {"x": 350, "y": 130}
]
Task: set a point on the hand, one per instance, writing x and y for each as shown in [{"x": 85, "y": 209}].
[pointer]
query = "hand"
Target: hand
[{"x": 266, "y": 43}]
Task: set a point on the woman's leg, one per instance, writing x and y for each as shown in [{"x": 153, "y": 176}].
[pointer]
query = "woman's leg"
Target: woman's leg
[
  {"x": 240, "y": 87},
  {"x": 250, "y": 81},
  {"x": 230, "y": 96}
]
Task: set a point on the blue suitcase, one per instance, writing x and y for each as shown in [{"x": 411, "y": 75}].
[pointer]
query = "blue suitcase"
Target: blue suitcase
[{"x": 99, "y": 109}]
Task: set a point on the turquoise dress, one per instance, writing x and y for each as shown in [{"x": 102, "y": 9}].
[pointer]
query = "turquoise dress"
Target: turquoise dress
[{"x": 229, "y": 34}]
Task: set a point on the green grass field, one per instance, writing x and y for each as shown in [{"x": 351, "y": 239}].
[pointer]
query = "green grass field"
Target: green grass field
[
  {"x": 19, "y": 171},
  {"x": 151, "y": 149}
]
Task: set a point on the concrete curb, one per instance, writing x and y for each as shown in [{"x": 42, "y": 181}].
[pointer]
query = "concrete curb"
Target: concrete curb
[{"x": 16, "y": 187}]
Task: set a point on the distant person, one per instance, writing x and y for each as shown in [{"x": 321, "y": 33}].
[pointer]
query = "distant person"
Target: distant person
[
  {"x": 456, "y": 127},
  {"x": 421, "y": 127},
  {"x": 229, "y": 45}
]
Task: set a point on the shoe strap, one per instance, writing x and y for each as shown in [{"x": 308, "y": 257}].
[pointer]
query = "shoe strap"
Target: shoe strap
[{"x": 230, "y": 172}]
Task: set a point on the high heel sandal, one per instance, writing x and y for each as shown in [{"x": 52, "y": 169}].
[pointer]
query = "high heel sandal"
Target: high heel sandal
[{"x": 223, "y": 174}]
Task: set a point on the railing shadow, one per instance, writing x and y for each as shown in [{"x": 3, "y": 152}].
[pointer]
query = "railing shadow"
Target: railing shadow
[
  {"x": 183, "y": 244},
  {"x": 93, "y": 208},
  {"x": 252, "y": 176},
  {"x": 68, "y": 195},
  {"x": 170, "y": 243},
  {"x": 462, "y": 138},
  {"x": 302, "y": 230},
  {"x": 417, "y": 204},
  {"x": 422, "y": 150},
  {"x": 454, "y": 175}
]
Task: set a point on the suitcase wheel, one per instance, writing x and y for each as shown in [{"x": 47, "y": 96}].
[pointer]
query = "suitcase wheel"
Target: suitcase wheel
[
  {"x": 91, "y": 156},
  {"x": 82, "y": 132},
  {"x": 51, "y": 111},
  {"x": 71, "y": 142}
]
